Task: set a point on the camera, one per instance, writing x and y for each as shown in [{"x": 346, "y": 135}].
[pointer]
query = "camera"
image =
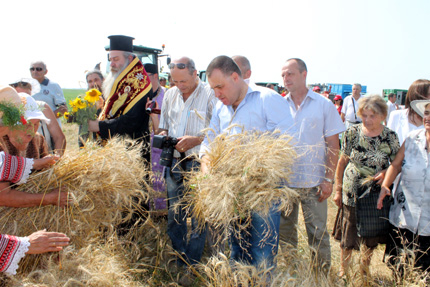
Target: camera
[{"x": 167, "y": 144}]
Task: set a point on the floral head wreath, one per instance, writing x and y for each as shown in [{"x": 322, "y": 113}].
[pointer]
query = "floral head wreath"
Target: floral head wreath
[{"x": 11, "y": 107}]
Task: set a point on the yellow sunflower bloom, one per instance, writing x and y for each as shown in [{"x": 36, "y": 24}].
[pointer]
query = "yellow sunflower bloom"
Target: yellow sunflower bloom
[
  {"x": 66, "y": 115},
  {"x": 73, "y": 106},
  {"x": 80, "y": 104},
  {"x": 92, "y": 96}
]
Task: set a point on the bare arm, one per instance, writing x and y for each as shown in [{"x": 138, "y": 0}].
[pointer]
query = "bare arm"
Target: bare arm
[
  {"x": 14, "y": 198},
  {"x": 155, "y": 122},
  {"x": 55, "y": 131},
  {"x": 204, "y": 165},
  {"x": 342, "y": 116},
  {"x": 341, "y": 165},
  {"x": 393, "y": 170},
  {"x": 326, "y": 188}
]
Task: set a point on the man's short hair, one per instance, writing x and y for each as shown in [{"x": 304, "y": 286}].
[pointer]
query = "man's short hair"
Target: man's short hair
[
  {"x": 191, "y": 66},
  {"x": 300, "y": 63},
  {"x": 40, "y": 63},
  {"x": 225, "y": 64},
  {"x": 98, "y": 72},
  {"x": 358, "y": 85},
  {"x": 391, "y": 95},
  {"x": 243, "y": 61}
]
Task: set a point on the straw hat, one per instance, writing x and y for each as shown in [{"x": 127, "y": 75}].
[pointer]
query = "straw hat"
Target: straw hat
[
  {"x": 8, "y": 94},
  {"x": 419, "y": 106}
]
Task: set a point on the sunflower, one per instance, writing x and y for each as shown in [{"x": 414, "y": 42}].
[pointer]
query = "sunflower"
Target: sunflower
[
  {"x": 92, "y": 96},
  {"x": 66, "y": 115},
  {"x": 80, "y": 104},
  {"x": 72, "y": 104}
]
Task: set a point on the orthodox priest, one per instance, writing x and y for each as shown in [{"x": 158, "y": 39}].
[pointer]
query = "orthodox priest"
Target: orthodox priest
[{"x": 126, "y": 88}]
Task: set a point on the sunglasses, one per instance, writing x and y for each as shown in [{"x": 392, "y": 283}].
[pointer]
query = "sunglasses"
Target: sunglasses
[
  {"x": 37, "y": 69},
  {"x": 180, "y": 66},
  {"x": 21, "y": 84}
]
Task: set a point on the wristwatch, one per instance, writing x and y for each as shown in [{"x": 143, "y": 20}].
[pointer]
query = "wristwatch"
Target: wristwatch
[{"x": 329, "y": 180}]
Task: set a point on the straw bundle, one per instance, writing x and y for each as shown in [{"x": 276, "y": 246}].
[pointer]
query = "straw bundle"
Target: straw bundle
[
  {"x": 104, "y": 183},
  {"x": 244, "y": 176},
  {"x": 219, "y": 271},
  {"x": 94, "y": 265}
]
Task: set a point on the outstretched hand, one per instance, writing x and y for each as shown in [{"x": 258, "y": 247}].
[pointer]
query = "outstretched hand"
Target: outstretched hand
[
  {"x": 45, "y": 162},
  {"x": 43, "y": 241}
]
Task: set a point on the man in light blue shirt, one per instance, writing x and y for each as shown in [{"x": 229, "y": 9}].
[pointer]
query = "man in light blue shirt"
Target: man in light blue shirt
[
  {"x": 252, "y": 108},
  {"x": 50, "y": 92},
  {"x": 318, "y": 124}
]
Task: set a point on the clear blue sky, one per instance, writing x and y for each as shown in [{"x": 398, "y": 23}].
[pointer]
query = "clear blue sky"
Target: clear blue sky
[{"x": 379, "y": 43}]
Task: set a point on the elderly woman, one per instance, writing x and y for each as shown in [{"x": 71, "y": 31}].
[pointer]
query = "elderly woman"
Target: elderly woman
[
  {"x": 24, "y": 141},
  {"x": 367, "y": 150},
  {"x": 410, "y": 213}
]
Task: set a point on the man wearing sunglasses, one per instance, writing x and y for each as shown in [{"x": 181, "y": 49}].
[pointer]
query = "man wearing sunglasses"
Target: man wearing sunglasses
[
  {"x": 186, "y": 111},
  {"x": 50, "y": 92}
]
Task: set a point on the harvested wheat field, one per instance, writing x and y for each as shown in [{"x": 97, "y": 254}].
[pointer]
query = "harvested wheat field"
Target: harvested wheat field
[{"x": 143, "y": 257}]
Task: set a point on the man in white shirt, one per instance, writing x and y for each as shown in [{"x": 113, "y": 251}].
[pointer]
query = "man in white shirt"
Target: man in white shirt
[
  {"x": 185, "y": 112},
  {"x": 350, "y": 107},
  {"x": 391, "y": 103},
  {"x": 318, "y": 124}
]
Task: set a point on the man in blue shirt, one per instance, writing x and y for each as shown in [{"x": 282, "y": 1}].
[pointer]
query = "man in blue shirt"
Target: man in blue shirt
[
  {"x": 50, "y": 92},
  {"x": 253, "y": 109}
]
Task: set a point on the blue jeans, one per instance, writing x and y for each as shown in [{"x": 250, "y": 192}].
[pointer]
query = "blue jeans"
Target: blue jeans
[
  {"x": 259, "y": 243},
  {"x": 192, "y": 250}
]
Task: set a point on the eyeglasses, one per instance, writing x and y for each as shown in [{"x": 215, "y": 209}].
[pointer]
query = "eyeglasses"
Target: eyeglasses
[
  {"x": 37, "y": 69},
  {"x": 21, "y": 84},
  {"x": 180, "y": 66}
]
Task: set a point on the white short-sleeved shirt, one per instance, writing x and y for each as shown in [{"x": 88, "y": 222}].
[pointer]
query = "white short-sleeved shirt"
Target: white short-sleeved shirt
[
  {"x": 181, "y": 118},
  {"x": 52, "y": 94},
  {"x": 348, "y": 109},
  {"x": 390, "y": 108},
  {"x": 410, "y": 209},
  {"x": 399, "y": 123},
  {"x": 315, "y": 120}
]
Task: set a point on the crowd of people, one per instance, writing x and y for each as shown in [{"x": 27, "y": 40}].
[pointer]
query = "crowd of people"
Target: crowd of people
[{"x": 372, "y": 154}]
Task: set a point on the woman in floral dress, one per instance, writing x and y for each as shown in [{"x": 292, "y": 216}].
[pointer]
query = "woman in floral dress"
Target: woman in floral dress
[{"x": 367, "y": 150}]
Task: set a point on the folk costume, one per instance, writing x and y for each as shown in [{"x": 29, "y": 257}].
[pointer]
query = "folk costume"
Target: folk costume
[{"x": 12, "y": 249}]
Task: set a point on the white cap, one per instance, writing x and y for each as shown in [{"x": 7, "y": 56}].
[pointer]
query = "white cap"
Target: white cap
[{"x": 32, "y": 110}]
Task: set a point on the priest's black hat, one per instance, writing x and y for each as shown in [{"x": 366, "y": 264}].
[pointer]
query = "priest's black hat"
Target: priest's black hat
[{"x": 121, "y": 43}]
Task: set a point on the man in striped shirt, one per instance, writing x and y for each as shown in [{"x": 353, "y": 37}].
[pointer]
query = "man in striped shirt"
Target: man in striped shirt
[{"x": 186, "y": 111}]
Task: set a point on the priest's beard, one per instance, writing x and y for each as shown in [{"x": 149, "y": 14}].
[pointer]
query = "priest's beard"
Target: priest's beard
[{"x": 110, "y": 79}]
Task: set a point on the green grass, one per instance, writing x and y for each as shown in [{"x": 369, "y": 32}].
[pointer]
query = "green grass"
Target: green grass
[{"x": 71, "y": 94}]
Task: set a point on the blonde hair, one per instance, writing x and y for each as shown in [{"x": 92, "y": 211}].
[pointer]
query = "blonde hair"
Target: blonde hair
[{"x": 374, "y": 103}]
